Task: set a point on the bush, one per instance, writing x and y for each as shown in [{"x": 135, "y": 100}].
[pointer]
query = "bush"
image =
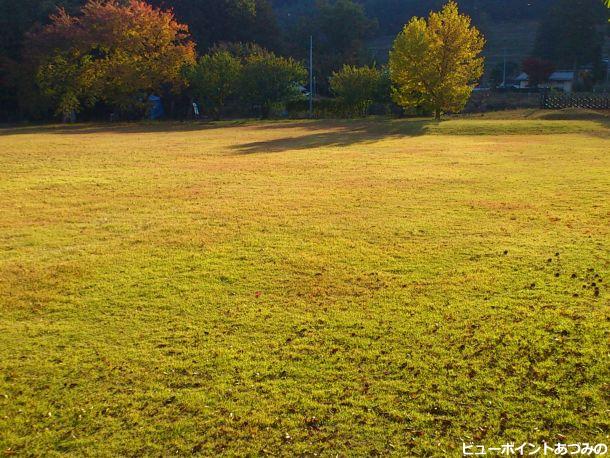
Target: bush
[
  {"x": 268, "y": 80},
  {"x": 357, "y": 88},
  {"x": 214, "y": 80}
]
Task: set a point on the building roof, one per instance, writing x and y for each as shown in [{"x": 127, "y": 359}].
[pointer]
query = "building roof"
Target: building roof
[
  {"x": 559, "y": 76},
  {"x": 562, "y": 75},
  {"x": 522, "y": 77}
]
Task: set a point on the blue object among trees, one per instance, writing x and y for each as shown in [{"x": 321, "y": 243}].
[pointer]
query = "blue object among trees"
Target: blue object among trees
[{"x": 156, "y": 107}]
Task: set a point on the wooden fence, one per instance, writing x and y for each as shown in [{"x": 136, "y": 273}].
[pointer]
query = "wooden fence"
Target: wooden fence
[{"x": 591, "y": 101}]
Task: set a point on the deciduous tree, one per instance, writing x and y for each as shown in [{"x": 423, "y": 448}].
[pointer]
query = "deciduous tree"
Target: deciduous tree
[
  {"x": 215, "y": 79},
  {"x": 356, "y": 88},
  {"x": 113, "y": 52},
  {"x": 537, "y": 70},
  {"x": 435, "y": 63},
  {"x": 268, "y": 79}
]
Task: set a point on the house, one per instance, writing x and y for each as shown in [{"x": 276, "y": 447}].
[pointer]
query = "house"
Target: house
[{"x": 562, "y": 80}]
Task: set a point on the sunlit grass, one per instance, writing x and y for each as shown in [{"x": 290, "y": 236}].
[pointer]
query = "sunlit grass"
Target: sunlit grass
[{"x": 330, "y": 287}]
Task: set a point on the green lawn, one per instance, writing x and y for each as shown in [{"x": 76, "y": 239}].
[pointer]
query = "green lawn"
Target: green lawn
[{"x": 339, "y": 288}]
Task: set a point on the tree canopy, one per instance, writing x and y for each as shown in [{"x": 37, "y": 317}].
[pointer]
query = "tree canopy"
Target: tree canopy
[
  {"x": 113, "y": 52},
  {"x": 268, "y": 79},
  {"x": 435, "y": 63},
  {"x": 215, "y": 79},
  {"x": 357, "y": 88},
  {"x": 537, "y": 70}
]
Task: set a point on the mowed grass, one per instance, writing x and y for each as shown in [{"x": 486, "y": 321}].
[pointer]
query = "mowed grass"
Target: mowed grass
[{"x": 303, "y": 287}]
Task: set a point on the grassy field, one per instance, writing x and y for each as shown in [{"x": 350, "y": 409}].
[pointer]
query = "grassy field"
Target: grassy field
[{"x": 339, "y": 288}]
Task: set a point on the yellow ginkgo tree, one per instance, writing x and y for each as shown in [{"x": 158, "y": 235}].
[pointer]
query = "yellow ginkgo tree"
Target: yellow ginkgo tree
[{"x": 435, "y": 63}]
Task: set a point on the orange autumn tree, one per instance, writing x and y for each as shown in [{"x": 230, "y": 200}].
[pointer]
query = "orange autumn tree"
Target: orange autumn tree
[{"x": 113, "y": 52}]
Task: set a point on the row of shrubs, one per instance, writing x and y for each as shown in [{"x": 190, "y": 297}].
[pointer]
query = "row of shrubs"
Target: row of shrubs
[{"x": 233, "y": 79}]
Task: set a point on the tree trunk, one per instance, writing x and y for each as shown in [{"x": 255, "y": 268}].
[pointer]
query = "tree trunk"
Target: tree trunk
[
  {"x": 172, "y": 106},
  {"x": 265, "y": 111},
  {"x": 437, "y": 113}
]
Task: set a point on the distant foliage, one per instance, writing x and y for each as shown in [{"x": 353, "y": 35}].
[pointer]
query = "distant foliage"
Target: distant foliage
[
  {"x": 268, "y": 79},
  {"x": 569, "y": 35},
  {"x": 17, "y": 17},
  {"x": 215, "y": 21},
  {"x": 215, "y": 79},
  {"x": 357, "y": 88},
  {"x": 339, "y": 29},
  {"x": 111, "y": 52},
  {"x": 241, "y": 50},
  {"x": 393, "y": 14},
  {"x": 19, "y": 94},
  {"x": 435, "y": 63}
]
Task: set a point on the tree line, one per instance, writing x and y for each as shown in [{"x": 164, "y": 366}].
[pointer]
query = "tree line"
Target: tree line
[
  {"x": 104, "y": 57},
  {"x": 340, "y": 27}
]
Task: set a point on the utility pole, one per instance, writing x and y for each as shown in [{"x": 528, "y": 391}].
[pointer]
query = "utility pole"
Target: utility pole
[
  {"x": 504, "y": 69},
  {"x": 311, "y": 76}
]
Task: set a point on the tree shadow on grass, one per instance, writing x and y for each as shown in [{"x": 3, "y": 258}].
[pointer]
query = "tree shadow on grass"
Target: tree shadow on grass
[
  {"x": 327, "y": 133},
  {"x": 307, "y": 133},
  {"x": 126, "y": 128},
  {"x": 302, "y": 135},
  {"x": 333, "y": 133}
]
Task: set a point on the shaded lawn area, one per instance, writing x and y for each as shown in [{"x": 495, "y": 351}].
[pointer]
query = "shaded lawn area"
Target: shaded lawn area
[{"x": 288, "y": 288}]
